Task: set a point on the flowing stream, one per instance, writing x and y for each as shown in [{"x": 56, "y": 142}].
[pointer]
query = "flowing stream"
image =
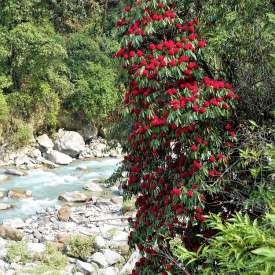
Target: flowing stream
[{"x": 46, "y": 185}]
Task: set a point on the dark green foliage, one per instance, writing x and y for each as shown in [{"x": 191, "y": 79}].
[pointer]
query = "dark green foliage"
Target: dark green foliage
[
  {"x": 242, "y": 246},
  {"x": 240, "y": 47},
  {"x": 55, "y": 59}
]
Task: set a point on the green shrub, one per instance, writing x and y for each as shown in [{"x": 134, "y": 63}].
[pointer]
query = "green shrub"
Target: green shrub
[
  {"x": 96, "y": 93},
  {"x": 22, "y": 135},
  {"x": 241, "y": 246},
  {"x": 18, "y": 252},
  {"x": 4, "y": 110},
  {"x": 81, "y": 246},
  {"x": 54, "y": 258}
]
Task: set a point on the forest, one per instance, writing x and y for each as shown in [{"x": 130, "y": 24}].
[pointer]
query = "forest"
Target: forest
[{"x": 187, "y": 88}]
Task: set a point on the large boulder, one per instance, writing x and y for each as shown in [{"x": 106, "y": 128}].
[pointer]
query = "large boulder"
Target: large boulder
[
  {"x": 10, "y": 233},
  {"x": 69, "y": 142},
  {"x": 45, "y": 142},
  {"x": 89, "y": 132},
  {"x": 75, "y": 196},
  {"x": 58, "y": 157}
]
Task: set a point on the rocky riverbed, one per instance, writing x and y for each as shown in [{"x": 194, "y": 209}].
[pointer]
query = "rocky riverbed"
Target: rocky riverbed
[
  {"x": 61, "y": 149},
  {"x": 80, "y": 207},
  {"x": 101, "y": 218}
]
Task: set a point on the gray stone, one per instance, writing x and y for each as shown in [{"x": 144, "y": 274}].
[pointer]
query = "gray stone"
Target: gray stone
[
  {"x": 87, "y": 268},
  {"x": 75, "y": 196},
  {"x": 109, "y": 271},
  {"x": 69, "y": 142},
  {"x": 45, "y": 142},
  {"x": 35, "y": 153},
  {"x": 89, "y": 131},
  {"x": 58, "y": 157},
  {"x": 99, "y": 259},
  {"x": 111, "y": 256},
  {"x": 120, "y": 236},
  {"x": 10, "y": 233},
  {"x": 5, "y": 206},
  {"x": 99, "y": 242},
  {"x": 15, "y": 172},
  {"x": 93, "y": 187},
  {"x": 36, "y": 248},
  {"x": 15, "y": 223}
]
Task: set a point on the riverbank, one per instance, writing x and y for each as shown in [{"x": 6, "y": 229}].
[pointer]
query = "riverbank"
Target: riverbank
[
  {"x": 101, "y": 219},
  {"x": 61, "y": 149}
]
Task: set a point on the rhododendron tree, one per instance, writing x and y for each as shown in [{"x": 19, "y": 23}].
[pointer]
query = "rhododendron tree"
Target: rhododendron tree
[{"x": 182, "y": 130}]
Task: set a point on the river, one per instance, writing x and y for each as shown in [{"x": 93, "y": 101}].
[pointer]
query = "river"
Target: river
[{"x": 47, "y": 184}]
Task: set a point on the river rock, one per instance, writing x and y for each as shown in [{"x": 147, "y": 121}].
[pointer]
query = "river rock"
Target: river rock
[
  {"x": 3, "y": 178},
  {"x": 45, "y": 142},
  {"x": 19, "y": 194},
  {"x": 15, "y": 172},
  {"x": 111, "y": 256},
  {"x": 120, "y": 236},
  {"x": 48, "y": 163},
  {"x": 89, "y": 132},
  {"x": 87, "y": 268},
  {"x": 99, "y": 242},
  {"x": 5, "y": 206},
  {"x": 75, "y": 196},
  {"x": 36, "y": 248},
  {"x": 99, "y": 259},
  {"x": 109, "y": 271},
  {"x": 58, "y": 157},
  {"x": 63, "y": 238},
  {"x": 15, "y": 223},
  {"x": 69, "y": 142},
  {"x": 10, "y": 233},
  {"x": 64, "y": 213},
  {"x": 34, "y": 153},
  {"x": 93, "y": 187}
]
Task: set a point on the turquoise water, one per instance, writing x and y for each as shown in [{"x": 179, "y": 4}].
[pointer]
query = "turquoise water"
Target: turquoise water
[{"x": 46, "y": 185}]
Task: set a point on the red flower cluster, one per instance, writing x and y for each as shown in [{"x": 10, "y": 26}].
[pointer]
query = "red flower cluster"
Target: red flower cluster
[{"x": 176, "y": 116}]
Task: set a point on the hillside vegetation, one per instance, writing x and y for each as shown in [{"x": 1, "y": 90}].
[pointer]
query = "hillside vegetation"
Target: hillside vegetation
[{"x": 56, "y": 68}]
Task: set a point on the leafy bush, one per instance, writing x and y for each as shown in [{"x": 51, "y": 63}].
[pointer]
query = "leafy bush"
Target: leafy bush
[
  {"x": 81, "y": 246},
  {"x": 18, "y": 252},
  {"x": 22, "y": 135},
  {"x": 96, "y": 94},
  {"x": 4, "y": 110},
  {"x": 241, "y": 246}
]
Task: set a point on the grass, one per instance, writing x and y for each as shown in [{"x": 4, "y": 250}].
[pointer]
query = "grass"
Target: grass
[
  {"x": 18, "y": 253},
  {"x": 128, "y": 205},
  {"x": 53, "y": 262}
]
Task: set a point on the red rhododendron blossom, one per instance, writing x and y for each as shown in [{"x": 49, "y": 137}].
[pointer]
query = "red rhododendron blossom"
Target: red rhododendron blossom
[
  {"x": 177, "y": 113},
  {"x": 176, "y": 192}
]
